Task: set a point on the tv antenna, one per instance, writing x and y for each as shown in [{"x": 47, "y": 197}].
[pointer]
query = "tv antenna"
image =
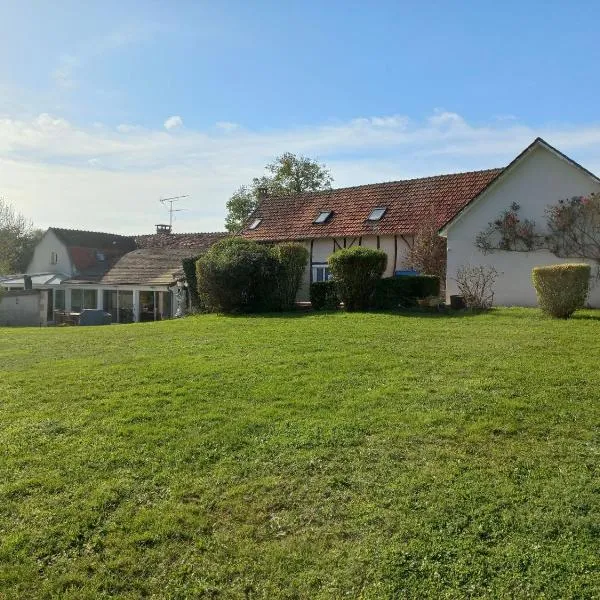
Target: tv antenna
[{"x": 172, "y": 210}]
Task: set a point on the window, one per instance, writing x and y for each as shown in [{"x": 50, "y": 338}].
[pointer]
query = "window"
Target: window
[
  {"x": 53, "y": 258},
  {"x": 376, "y": 214},
  {"x": 59, "y": 299},
  {"x": 100, "y": 255},
  {"x": 254, "y": 224},
  {"x": 320, "y": 272},
  {"x": 323, "y": 217},
  {"x": 81, "y": 299}
]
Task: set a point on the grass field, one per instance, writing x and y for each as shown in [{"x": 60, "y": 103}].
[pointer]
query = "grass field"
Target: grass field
[{"x": 302, "y": 456}]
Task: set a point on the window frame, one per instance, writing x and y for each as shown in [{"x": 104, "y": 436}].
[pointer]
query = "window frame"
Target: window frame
[
  {"x": 324, "y": 267},
  {"x": 372, "y": 219},
  {"x": 255, "y": 224},
  {"x": 320, "y": 219}
]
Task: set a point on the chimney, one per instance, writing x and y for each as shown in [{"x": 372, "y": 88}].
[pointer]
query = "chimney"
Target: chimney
[
  {"x": 262, "y": 192},
  {"x": 27, "y": 284},
  {"x": 163, "y": 229}
]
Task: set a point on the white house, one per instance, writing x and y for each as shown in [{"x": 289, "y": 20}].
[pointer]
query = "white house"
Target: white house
[
  {"x": 387, "y": 215},
  {"x": 540, "y": 176}
]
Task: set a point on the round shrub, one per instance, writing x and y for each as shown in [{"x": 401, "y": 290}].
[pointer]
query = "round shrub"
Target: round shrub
[
  {"x": 323, "y": 295},
  {"x": 356, "y": 272},
  {"x": 292, "y": 258},
  {"x": 238, "y": 275},
  {"x": 561, "y": 289}
]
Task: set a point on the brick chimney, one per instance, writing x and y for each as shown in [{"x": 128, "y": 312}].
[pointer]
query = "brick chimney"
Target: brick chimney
[
  {"x": 163, "y": 229},
  {"x": 262, "y": 192}
]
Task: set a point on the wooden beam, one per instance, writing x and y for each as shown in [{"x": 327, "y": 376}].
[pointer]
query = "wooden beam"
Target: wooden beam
[{"x": 312, "y": 243}]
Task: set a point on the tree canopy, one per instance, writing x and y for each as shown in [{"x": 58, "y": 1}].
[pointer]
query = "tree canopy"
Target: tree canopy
[
  {"x": 18, "y": 238},
  {"x": 287, "y": 174}
]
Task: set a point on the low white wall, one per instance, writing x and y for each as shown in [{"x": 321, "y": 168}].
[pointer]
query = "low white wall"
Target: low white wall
[
  {"x": 23, "y": 308},
  {"x": 513, "y": 285}
]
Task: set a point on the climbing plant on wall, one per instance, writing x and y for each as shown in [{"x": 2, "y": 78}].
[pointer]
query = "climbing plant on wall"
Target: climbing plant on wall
[
  {"x": 509, "y": 232},
  {"x": 574, "y": 227}
]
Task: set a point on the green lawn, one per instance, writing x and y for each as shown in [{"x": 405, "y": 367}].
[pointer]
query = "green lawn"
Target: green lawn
[{"x": 302, "y": 456}]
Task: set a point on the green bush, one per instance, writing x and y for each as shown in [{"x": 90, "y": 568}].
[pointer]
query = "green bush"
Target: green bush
[
  {"x": 356, "y": 272},
  {"x": 189, "y": 269},
  {"x": 323, "y": 295},
  {"x": 561, "y": 289},
  {"x": 292, "y": 258},
  {"x": 405, "y": 290},
  {"x": 238, "y": 275}
]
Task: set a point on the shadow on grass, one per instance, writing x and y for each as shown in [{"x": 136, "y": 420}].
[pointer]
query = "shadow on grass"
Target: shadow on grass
[{"x": 309, "y": 312}]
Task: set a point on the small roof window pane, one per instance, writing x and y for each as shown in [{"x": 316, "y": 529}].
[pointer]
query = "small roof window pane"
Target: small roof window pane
[
  {"x": 254, "y": 224},
  {"x": 323, "y": 216},
  {"x": 376, "y": 214}
]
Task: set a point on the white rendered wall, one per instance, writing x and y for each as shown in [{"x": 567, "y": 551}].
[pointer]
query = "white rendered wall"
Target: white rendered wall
[
  {"x": 23, "y": 308},
  {"x": 41, "y": 261},
  {"x": 541, "y": 179}
]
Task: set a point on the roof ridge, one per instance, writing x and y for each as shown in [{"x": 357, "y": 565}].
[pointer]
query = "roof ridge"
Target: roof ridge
[
  {"x": 182, "y": 233},
  {"x": 89, "y": 231},
  {"x": 394, "y": 181}
]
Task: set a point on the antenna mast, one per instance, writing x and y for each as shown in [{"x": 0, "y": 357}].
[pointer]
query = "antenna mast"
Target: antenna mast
[{"x": 172, "y": 210}]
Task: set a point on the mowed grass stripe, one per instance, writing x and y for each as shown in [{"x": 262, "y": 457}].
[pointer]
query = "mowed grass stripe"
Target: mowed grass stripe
[{"x": 302, "y": 456}]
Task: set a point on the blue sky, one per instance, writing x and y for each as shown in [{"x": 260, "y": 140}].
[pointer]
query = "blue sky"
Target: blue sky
[{"x": 105, "y": 107}]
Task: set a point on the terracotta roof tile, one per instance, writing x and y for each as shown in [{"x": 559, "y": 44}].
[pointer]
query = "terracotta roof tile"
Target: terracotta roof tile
[
  {"x": 407, "y": 202},
  {"x": 193, "y": 241}
]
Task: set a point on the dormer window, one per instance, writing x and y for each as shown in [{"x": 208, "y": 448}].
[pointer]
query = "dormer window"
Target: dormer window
[
  {"x": 254, "y": 224},
  {"x": 376, "y": 214},
  {"x": 323, "y": 216}
]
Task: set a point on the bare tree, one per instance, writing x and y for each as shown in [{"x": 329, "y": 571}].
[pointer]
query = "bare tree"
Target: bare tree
[
  {"x": 476, "y": 285},
  {"x": 428, "y": 252}
]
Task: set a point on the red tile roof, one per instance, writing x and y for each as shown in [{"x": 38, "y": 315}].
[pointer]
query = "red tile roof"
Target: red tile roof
[
  {"x": 193, "y": 241},
  {"x": 407, "y": 202}
]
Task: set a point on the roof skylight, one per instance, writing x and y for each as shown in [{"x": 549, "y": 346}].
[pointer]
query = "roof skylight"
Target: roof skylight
[
  {"x": 254, "y": 224},
  {"x": 323, "y": 216},
  {"x": 376, "y": 214}
]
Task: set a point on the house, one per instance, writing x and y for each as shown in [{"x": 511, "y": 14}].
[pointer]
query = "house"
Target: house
[
  {"x": 538, "y": 177},
  {"x": 134, "y": 278},
  {"x": 387, "y": 215}
]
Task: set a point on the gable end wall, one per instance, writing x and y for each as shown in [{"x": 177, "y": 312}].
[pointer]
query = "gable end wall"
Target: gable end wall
[{"x": 539, "y": 180}]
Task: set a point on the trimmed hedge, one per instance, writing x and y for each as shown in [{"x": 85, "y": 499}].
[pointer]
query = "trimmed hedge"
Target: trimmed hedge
[
  {"x": 405, "y": 290},
  {"x": 189, "y": 269},
  {"x": 356, "y": 272},
  {"x": 238, "y": 275},
  {"x": 292, "y": 258},
  {"x": 323, "y": 295},
  {"x": 561, "y": 289}
]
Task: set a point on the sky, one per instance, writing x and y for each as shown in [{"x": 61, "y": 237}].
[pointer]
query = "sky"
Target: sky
[{"x": 106, "y": 107}]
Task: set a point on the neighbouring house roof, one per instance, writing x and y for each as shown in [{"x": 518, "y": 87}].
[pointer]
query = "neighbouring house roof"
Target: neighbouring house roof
[
  {"x": 37, "y": 279},
  {"x": 148, "y": 266},
  {"x": 93, "y": 253},
  {"x": 94, "y": 239},
  {"x": 194, "y": 241},
  {"x": 407, "y": 203}
]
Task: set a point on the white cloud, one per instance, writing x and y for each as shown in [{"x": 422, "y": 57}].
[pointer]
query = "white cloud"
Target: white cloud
[
  {"x": 49, "y": 165},
  {"x": 126, "y": 128},
  {"x": 173, "y": 122},
  {"x": 226, "y": 126}
]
